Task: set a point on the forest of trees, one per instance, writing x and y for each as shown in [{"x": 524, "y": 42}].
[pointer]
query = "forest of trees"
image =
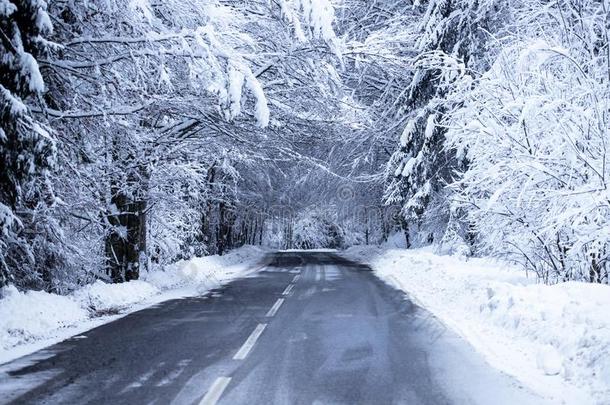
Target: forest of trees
[{"x": 136, "y": 133}]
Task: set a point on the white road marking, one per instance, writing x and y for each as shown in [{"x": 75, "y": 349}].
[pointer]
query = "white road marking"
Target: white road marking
[
  {"x": 275, "y": 307},
  {"x": 288, "y": 289},
  {"x": 318, "y": 274},
  {"x": 332, "y": 273},
  {"x": 249, "y": 344},
  {"x": 215, "y": 391},
  {"x": 296, "y": 278}
]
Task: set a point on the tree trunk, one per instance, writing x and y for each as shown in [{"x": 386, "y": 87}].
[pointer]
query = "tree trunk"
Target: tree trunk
[
  {"x": 261, "y": 229},
  {"x": 405, "y": 229},
  {"x": 222, "y": 231},
  {"x": 206, "y": 224},
  {"x": 595, "y": 268},
  {"x": 126, "y": 240},
  {"x": 125, "y": 244},
  {"x": 366, "y": 229},
  {"x": 252, "y": 240}
]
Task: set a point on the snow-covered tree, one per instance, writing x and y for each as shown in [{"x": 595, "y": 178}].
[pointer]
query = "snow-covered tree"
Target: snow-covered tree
[
  {"x": 27, "y": 146},
  {"x": 452, "y": 40},
  {"x": 161, "y": 73},
  {"x": 189, "y": 127},
  {"x": 317, "y": 229},
  {"x": 534, "y": 130},
  {"x": 166, "y": 112}
]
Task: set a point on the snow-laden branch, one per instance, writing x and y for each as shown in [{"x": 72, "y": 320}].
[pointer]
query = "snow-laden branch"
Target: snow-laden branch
[{"x": 122, "y": 110}]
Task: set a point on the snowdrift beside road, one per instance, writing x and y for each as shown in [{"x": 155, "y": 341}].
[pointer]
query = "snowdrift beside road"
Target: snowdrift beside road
[
  {"x": 554, "y": 339},
  {"x": 34, "y": 319}
]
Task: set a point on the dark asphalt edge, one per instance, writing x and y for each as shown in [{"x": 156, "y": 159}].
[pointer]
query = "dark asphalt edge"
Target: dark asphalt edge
[
  {"x": 99, "y": 321},
  {"x": 420, "y": 307}
]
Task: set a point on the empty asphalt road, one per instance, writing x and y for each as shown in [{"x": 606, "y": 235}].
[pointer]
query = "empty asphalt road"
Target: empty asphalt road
[{"x": 310, "y": 328}]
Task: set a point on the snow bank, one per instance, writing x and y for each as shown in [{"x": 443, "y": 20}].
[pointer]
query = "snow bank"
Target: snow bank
[
  {"x": 32, "y": 316},
  {"x": 101, "y": 298},
  {"x": 555, "y": 339},
  {"x": 25, "y": 317},
  {"x": 204, "y": 272}
]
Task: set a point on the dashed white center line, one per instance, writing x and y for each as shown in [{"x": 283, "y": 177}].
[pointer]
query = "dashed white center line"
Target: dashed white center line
[
  {"x": 214, "y": 393},
  {"x": 247, "y": 346},
  {"x": 220, "y": 384},
  {"x": 275, "y": 307},
  {"x": 288, "y": 289}
]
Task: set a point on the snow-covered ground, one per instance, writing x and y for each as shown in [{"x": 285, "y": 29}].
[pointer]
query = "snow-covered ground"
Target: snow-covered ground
[
  {"x": 554, "y": 339},
  {"x": 35, "y": 319},
  {"x": 307, "y": 250}
]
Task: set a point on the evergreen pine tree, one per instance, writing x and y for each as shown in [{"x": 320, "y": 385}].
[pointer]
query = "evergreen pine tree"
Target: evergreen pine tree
[
  {"x": 27, "y": 150},
  {"x": 451, "y": 44}
]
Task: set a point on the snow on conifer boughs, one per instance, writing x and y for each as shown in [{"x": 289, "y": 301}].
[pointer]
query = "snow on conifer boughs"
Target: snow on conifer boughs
[
  {"x": 450, "y": 44},
  {"x": 317, "y": 17},
  {"x": 27, "y": 150}
]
